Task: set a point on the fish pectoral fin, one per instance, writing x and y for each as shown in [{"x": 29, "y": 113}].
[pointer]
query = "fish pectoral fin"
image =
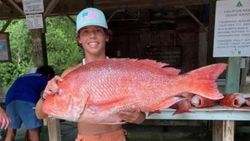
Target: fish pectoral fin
[
  {"x": 84, "y": 101},
  {"x": 167, "y": 103}
]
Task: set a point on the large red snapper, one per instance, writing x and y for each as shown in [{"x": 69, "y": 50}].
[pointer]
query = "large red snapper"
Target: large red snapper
[{"x": 95, "y": 92}]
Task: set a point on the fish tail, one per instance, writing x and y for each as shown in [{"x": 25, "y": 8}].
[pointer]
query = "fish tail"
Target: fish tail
[{"x": 202, "y": 81}]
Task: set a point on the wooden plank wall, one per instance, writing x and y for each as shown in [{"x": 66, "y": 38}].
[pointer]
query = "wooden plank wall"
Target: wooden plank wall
[{"x": 179, "y": 48}]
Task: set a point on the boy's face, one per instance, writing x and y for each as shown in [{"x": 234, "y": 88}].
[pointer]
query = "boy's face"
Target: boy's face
[{"x": 93, "y": 40}]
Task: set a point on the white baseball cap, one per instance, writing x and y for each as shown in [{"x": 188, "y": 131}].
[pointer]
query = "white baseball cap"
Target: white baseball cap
[{"x": 90, "y": 16}]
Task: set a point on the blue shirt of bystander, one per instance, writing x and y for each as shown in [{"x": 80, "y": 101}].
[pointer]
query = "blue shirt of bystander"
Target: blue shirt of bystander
[{"x": 27, "y": 88}]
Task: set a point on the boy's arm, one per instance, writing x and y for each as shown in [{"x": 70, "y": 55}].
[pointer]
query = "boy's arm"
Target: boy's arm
[{"x": 39, "y": 113}]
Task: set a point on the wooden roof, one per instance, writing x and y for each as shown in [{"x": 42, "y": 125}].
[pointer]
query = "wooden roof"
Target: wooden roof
[{"x": 12, "y": 9}]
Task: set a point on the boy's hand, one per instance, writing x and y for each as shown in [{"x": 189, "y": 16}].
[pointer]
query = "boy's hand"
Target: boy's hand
[
  {"x": 136, "y": 117},
  {"x": 52, "y": 87}
]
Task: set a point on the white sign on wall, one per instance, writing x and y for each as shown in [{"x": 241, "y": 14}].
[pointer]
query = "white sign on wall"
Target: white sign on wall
[
  {"x": 33, "y": 6},
  {"x": 34, "y": 21},
  {"x": 232, "y": 28}
]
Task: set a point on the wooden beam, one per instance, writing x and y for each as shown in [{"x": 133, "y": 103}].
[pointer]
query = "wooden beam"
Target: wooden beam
[
  {"x": 50, "y": 7},
  {"x": 114, "y": 13},
  {"x": 72, "y": 20},
  {"x": 20, "y": 10},
  {"x": 72, "y": 7},
  {"x": 195, "y": 18},
  {"x": 90, "y": 3},
  {"x": 154, "y": 4},
  {"x": 18, "y": 1},
  {"x": 7, "y": 11},
  {"x": 5, "y": 26}
]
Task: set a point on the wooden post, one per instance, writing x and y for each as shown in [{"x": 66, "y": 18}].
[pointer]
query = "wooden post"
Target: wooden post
[
  {"x": 202, "y": 50},
  {"x": 224, "y": 130},
  {"x": 212, "y": 4},
  {"x": 233, "y": 75},
  {"x": 244, "y": 71},
  {"x": 54, "y": 129},
  {"x": 216, "y": 125},
  {"x": 39, "y": 57},
  {"x": 39, "y": 54}
]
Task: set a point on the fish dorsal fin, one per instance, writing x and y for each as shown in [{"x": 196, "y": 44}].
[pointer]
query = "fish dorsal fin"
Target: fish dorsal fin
[
  {"x": 162, "y": 66},
  {"x": 148, "y": 64},
  {"x": 172, "y": 71},
  {"x": 152, "y": 63}
]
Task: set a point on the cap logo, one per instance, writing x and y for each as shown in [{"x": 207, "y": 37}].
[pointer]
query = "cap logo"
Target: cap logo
[{"x": 89, "y": 15}]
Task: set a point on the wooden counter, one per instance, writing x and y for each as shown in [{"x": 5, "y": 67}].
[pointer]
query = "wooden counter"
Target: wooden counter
[
  {"x": 223, "y": 119},
  {"x": 211, "y": 113}
]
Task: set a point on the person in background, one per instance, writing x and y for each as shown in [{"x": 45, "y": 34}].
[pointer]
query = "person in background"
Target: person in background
[
  {"x": 92, "y": 35},
  {"x": 21, "y": 100}
]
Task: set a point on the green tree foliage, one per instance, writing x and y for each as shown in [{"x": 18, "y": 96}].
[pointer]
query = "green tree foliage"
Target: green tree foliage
[
  {"x": 20, "y": 47},
  {"x": 62, "y": 48}
]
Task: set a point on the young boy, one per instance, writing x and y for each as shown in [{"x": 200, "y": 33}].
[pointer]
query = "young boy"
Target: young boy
[{"x": 92, "y": 36}]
